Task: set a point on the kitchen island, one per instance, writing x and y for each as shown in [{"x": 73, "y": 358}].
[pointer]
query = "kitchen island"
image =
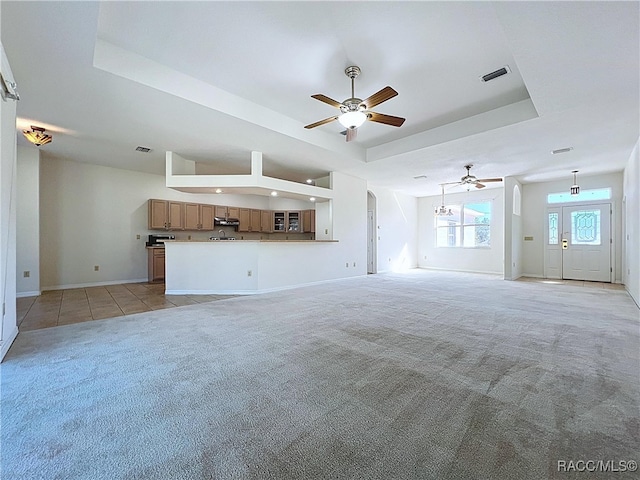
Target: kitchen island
[{"x": 251, "y": 266}]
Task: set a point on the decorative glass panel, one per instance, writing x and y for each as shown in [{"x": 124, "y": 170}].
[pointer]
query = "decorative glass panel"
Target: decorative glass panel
[
  {"x": 553, "y": 229},
  {"x": 583, "y": 196},
  {"x": 585, "y": 227}
]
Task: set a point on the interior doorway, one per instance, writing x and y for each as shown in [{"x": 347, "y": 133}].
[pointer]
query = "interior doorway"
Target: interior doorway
[
  {"x": 372, "y": 264},
  {"x": 578, "y": 242}
]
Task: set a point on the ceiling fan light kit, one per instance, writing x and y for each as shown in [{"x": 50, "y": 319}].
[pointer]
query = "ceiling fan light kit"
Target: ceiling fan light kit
[
  {"x": 355, "y": 111},
  {"x": 37, "y": 136}
]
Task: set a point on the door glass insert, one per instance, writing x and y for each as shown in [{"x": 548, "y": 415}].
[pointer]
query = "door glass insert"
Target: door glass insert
[
  {"x": 585, "y": 227},
  {"x": 553, "y": 228}
]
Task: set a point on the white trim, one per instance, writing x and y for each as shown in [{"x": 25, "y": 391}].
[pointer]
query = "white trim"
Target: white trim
[
  {"x": 442, "y": 269},
  {"x": 255, "y": 292},
  {"x": 35, "y": 293},
  {"x": 6, "y": 344},
  {"x": 93, "y": 284}
]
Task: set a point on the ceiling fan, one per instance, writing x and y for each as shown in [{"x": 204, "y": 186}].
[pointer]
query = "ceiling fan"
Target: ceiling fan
[
  {"x": 468, "y": 180},
  {"x": 354, "y": 111}
]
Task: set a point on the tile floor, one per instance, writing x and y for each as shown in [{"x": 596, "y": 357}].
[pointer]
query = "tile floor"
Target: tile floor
[{"x": 62, "y": 307}]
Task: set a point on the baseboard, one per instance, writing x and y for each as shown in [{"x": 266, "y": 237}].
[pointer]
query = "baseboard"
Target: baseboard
[
  {"x": 35, "y": 293},
  {"x": 93, "y": 284},
  {"x": 6, "y": 344},
  {"x": 485, "y": 272}
]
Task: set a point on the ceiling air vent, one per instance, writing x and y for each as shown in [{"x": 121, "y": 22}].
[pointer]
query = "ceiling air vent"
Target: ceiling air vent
[
  {"x": 143, "y": 149},
  {"x": 562, "y": 150},
  {"x": 498, "y": 73}
]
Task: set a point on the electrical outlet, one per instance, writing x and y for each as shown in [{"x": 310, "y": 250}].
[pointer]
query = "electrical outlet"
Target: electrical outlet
[
  {"x": 96, "y": 268},
  {"x": 26, "y": 274},
  {"x": 425, "y": 257},
  {"x": 189, "y": 238},
  {"x": 138, "y": 237},
  {"x": 326, "y": 231},
  {"x": 249, "y": 273},
  {"x": 354, "y": 264}
]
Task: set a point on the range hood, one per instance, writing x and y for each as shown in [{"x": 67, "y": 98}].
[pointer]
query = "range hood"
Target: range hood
[{"x": 226, "y": 222}]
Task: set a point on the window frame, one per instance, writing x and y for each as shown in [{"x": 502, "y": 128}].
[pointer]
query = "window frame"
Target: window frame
[{"x": 461, "y": 226}]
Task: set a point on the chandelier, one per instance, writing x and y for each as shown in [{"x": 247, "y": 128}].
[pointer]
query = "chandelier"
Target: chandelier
[{"x": 442, "y": 210}]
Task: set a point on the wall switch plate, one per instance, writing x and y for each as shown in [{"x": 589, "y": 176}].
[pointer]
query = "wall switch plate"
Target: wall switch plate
[
  {"x": 354, "y": 264},
  {"x": 96, "y": 268},
  {"x": 26, "y": 274},
  {"x": 347, "y": 265}
]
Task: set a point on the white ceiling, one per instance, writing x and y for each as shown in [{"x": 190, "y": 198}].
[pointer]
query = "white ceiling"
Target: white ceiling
[{"x": 213, "y": 81}]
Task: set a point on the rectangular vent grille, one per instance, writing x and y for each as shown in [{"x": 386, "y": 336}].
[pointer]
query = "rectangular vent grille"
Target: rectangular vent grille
[
  {"x": 562, "y": 150},
  {"x": 498, "y": 73},
  {"x": 143, "y": 149}
]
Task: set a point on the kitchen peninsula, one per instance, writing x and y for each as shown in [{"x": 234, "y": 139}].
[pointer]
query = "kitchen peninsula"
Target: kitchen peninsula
[{"x": 247, "y": 266}]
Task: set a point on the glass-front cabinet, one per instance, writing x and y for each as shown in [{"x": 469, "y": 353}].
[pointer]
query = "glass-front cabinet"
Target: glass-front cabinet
[{"x": 286, "y": 222}]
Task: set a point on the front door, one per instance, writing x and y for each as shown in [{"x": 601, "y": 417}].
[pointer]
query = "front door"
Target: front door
[
  {"x": 578, "y": 242},
  {"x": 586, "y": 242}
]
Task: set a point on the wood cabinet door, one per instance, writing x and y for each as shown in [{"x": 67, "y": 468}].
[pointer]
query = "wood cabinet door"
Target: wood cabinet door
[
  {"x": 255, "y": 221},
  {"x": 313, "y": 221},
  {"x": 245, "y": 220},
  {"x": 191, "y": 216},
  {"x": 306, "y": 221},
  {"x": 233, "y": 212},
  {"x": 176, "y": 215},
  {"x": 206, "y": 217},
  {"x": 158, "y": 214},
  {"x": 221, "y": 211},
  {"x": 266, "y": 217},
  {"x": 158, "y": 266}
]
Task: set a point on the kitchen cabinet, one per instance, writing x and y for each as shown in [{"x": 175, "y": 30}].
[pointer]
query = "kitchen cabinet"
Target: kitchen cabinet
[
  {"x": 166, "y": 215},
  {"x": 223, "y": 211},
  {"x": 250, "y": 220},
  {"x": 198, "y": 216},
  {"x": 293, "y": 222},
  {"x": 286, "y": 222},
  {"x": 266, "y": 221},
  {"x": 308, "y": 221},
  {"x": 156, "y": 264}
]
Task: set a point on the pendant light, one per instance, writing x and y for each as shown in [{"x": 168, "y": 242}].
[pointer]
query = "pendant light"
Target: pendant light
[{"x": 575, "y": 188}]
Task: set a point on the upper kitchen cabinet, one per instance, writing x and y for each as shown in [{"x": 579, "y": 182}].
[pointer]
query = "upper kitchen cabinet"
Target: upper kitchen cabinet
[
  {"x": 166, "y": 215},
  {"x": 308, "y": 221},
  {"x": 266, "y": 221},
  {"x": 222, "y": 211},
  {"x": 198, "y": 216},
  {"x": 250, "y": 220},
  {"x": 288, "y": 222}
]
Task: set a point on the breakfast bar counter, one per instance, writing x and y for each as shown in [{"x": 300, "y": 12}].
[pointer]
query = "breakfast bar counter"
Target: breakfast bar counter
[{"x": 248, "y": 266}]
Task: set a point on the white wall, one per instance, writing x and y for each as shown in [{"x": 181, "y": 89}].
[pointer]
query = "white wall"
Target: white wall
[
  {"x": 483, "y": 260},
  {"x": 9, "y": 328},
  {"x": 28, "y": 222},
  {"x": 631, "y": 239},
  {"x": 534, "y": 207},
  {"x": 349, "y": 215},
  {"x": 396, "y": 228}
]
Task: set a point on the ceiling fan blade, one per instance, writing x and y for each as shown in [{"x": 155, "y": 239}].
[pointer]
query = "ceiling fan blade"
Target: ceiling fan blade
[
  {"x": 479, "y": 185},
  {"x": 352, "y": 133},
  {"x": 322, "y": 122},
  {"x": 485, "y": 180},
  {"x": 377, "y": 98},
  {"x": 386, "y": 119},
  {"x": 327, "y": 100}
]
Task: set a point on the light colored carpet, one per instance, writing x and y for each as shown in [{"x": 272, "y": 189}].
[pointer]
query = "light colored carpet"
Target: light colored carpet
[{"x": 428, "y": 375}]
